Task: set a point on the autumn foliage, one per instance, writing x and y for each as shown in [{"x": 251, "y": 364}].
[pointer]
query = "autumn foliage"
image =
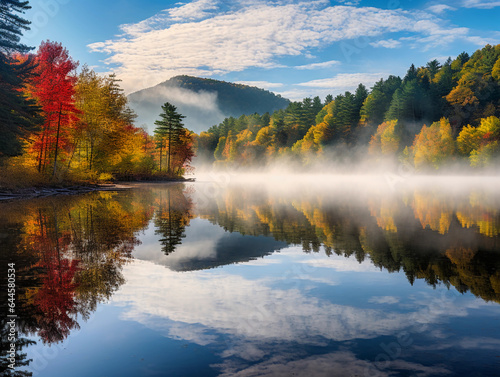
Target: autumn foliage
[
  {"x": 53, "y": 87},
  {"x": 436, "y": 115},
  {"x": 86, "y": 128}
]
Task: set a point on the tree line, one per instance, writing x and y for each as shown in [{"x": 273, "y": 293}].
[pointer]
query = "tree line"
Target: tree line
[
  {"x": 435, "y": 115},
  {"x": 60, "y": 124}
]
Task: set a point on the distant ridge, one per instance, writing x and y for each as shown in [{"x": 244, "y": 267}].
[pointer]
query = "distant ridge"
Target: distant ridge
[{"x": 205, "y": 102}]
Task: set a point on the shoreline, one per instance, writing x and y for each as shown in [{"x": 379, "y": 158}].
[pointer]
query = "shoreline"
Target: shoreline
[{"x": 7, "y": 195}]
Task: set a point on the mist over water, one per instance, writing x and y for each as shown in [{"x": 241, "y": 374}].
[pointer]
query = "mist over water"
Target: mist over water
[{"x": 391, "y": 178}]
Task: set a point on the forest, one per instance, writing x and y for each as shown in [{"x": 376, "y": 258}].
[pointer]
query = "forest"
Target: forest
[
  {"x": 435, "y": 116},
  {"x": 64, "y": 125}
]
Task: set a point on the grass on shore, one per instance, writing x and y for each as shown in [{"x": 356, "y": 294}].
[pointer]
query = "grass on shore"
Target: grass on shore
[{"x": 18, "y": 176}]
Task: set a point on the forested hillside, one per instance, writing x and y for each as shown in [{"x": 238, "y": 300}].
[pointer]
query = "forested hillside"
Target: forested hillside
[
  {"x": 203, "y": 100},
  {"x": 434, "y": 115}
]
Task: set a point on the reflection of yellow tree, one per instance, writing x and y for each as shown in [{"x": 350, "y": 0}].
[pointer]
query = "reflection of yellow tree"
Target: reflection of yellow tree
[
  {"x": 382, "y": 230},
  {"x": 432, "y": 211},
  {"x": 385, "y": 211},
  {"x": 475, "y": 276},
  {"x": 103, "y": 237},
  {"x": 480, "y": 214}
]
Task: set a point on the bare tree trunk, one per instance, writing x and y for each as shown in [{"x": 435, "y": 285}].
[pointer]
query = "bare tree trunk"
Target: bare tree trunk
[
  {"x": 161, "y": 150},
  {"x": 169, "y": 144},
  {"x": 40, "y": 155},
  {"x": 57, "y": 140},
  {"x": 72, "y": 155},
  {"x": 45, "y": 153}
]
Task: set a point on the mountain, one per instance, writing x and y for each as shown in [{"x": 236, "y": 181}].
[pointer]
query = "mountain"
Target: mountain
[{"x": 204, "y": 102}]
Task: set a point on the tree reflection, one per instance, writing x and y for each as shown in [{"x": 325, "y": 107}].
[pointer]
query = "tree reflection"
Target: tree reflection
[
  {"x": 68, "y": 254},
  {"x": 10, "y": 237},
  {"x": 427, "y": 234},
  {"x": 172, "y": 215}
]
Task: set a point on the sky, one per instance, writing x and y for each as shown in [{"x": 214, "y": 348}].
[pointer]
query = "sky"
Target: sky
[{"x": 295, "y": 48}]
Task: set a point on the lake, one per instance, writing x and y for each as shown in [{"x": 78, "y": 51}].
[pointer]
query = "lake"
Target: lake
[{"x": 258, "y": 276}]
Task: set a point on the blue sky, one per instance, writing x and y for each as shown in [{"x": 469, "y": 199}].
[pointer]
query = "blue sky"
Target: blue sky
[{"x": 293, "y": 47}]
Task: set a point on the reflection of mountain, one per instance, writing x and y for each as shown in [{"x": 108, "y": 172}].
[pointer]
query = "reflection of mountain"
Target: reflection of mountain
[
  {"x": 230, "y": 248},
  {"x": 189, "y": 244}
]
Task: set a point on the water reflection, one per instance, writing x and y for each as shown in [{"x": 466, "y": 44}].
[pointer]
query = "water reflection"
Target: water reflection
[
  {"x": 68, "y": 253},
  {"x": 73, "y": 253},
  {"x": 428, "y": 234}
]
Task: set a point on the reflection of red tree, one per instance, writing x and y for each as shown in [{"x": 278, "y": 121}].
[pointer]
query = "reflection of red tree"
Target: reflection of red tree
[{"x": 55, "y": 299}]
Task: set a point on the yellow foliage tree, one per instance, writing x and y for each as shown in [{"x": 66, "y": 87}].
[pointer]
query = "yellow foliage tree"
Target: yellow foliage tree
[
  {"x": 386, "y": 140},
  {"x": 433, "y": 145},
  {"x": 468, "y": 140},
  {"x": 481, "y": 143}
]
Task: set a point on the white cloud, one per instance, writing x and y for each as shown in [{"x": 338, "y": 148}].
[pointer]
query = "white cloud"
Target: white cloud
[
  {"x": 321, "y": 65},
  {"x": 208, "y": 37},
  {"x": 345, "y": 81},
  {"x": 440, "y": 8},
  {"x": 339, "y": 263},
  {"x": 349, "y": 2},
  {"x": 241, "y": 307},
  {"x": 433, "y": 35},
  {"x": 337, "y": 364},
  {"x": 193, "y": 11},
  {"x": 389, "y": 43},
  {"x": 481, "y": 4},
  {"x": 384, "y": 300},
  {"x": 342, "y": 363},
  {"x": 481, "y": 343},
  {"x": 237, "y": 306}
]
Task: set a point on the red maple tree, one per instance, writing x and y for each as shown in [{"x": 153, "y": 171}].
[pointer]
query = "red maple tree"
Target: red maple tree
[{"x": 53, "y": 86}]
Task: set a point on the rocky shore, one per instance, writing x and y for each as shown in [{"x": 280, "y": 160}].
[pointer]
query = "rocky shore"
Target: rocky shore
[
  {"x": 40, "y": 192},
  {"x": 30, "y": 193}
]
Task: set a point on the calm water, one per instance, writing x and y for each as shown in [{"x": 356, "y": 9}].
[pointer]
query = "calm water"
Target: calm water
[{"x": 333, "y": 277}]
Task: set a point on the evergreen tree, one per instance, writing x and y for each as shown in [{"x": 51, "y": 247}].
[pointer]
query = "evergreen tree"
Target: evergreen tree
[
  {"x": 433, "y": 67},
  {"x": 378, "y": 101},
  {"x": 18, "y": 115},
  {"x": 169, "y": 129},
  {"x": 12, "y": 26}
]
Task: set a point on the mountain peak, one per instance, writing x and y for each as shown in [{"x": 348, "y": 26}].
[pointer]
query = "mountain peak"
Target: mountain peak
[{"x": 204, "y": 101}]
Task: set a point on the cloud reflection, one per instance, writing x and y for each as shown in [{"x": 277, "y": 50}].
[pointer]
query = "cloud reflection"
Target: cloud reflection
[{"x": 250, "y": 309}]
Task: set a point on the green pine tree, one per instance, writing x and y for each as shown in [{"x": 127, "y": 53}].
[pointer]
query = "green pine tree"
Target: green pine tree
[{"x": 168, "y": 129}]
